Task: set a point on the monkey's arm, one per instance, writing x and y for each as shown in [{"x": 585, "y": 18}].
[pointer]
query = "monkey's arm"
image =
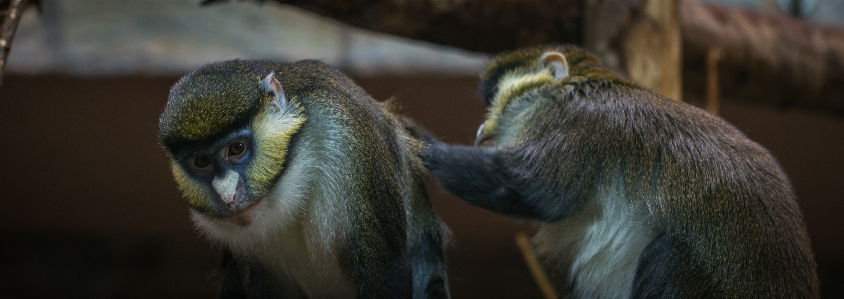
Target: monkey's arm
[
  {"x": 491, "y": 178},
  {"x": 377, "y": 258},
  {"x": 425, "y": 242}
]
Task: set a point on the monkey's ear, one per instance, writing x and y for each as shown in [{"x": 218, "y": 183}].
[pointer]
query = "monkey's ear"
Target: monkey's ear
[
  {"x": 557, "y": 62},
  {"x": 272, "y": 87}
]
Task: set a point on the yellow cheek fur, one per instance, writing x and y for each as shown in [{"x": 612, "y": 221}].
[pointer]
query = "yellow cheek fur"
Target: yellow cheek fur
[
  {"x": 194, "y": 192},
  {"x": 272, "y": 131},
  {"x": 510, "y": 86}
]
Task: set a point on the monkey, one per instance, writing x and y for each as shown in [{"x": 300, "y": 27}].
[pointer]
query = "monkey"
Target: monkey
[
  {"x": 635, "y": 195},
  {"x": 311, "y": 187}
]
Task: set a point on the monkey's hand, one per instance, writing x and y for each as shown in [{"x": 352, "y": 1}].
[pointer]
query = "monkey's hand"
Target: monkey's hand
[
  {"x": 420, "y": 132},
  {"x": 432, "y": 153}
]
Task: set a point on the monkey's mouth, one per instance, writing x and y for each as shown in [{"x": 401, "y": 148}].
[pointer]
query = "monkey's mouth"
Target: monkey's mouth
[
  {"x": 485, "y": 140},
  {"x": 243, "y": 216}
]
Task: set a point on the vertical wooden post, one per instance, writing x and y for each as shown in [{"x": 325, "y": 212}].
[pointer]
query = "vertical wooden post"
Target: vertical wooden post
[
  {"x": 713, "y": 55},
  {"x": 652, "y": 48},
  {"x": 640, "y": 38}
]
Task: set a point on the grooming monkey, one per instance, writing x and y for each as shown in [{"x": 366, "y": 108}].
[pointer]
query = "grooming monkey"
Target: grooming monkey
[
  {"x": 313, "y": 189},
  {"x": 640, "y": 196}
]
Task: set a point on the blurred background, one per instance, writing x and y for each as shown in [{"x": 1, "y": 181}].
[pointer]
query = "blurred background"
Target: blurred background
[{"x": 88, "y": 207}]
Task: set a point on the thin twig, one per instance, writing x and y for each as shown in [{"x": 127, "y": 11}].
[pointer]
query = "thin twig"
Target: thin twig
[
  {"x": 534, "y": 267},
  {"x": 713, "y": 55},
  {"x": 11, "y": 19}
]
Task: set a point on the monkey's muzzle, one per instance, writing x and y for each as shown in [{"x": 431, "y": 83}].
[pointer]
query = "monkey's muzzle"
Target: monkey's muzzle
[{"x": 242, "y": 216}]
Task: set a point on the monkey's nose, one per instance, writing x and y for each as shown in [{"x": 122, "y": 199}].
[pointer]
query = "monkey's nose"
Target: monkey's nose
[
  {"x": 227, "y": 198},
  {"x": 227, "y": 186}
]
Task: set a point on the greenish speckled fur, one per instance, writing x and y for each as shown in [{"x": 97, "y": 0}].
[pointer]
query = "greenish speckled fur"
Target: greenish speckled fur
[
  {"x": 606, "y": 163},
  {"x": 340, "y": 172}
]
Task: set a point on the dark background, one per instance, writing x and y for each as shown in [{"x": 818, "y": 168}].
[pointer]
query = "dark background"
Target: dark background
[{"x": 88, "y": 207}]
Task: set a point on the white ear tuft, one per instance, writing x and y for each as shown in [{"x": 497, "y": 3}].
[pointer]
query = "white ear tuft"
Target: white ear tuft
[
  {"x": 273, "y": 88},
  {"x": 557, "y": 62}
]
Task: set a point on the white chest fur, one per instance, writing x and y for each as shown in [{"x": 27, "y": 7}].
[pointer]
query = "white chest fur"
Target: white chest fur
[
  {"x": 298, "y": 230},
  {"x": 315, "y": 271},
  {"x": 292, "y": 253},
  {"x": 597, "y": 250}
]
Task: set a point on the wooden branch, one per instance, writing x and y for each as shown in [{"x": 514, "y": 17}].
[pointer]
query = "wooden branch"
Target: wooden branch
[
  {"x": 11, "y": 19},
  {"x": 475, "y": 25},
  {"x": 765, "y": 58},
  {"x": 770, "y": 59}
]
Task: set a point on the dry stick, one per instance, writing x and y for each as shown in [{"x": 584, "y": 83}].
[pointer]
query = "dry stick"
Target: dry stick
[
  {"x": 11, "y": 19},
  {"x": 533, "y": 265},
  {"x": 713, "y": 55}
]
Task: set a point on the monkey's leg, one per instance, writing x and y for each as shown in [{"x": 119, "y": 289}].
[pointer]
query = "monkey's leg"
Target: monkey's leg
[
  {"x": 484, "y": 176},
  {"x": 668, "y": 270}
]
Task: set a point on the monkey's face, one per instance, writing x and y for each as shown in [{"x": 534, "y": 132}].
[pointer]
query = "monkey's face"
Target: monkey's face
[
  {"x": 509, "y": 83},
  {"x": 225, "y": 163},
  {"x": 213, "y": 178}
]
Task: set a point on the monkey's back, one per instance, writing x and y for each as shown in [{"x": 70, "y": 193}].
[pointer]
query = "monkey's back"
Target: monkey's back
[
  {"x": 389, "y": 175},
  {"x": 697, "y": 179}
]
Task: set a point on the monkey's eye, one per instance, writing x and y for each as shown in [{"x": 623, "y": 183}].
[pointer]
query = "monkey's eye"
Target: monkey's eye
[
  {"x": 202, "y": 162},
  {"x": 236, "y": 149}
]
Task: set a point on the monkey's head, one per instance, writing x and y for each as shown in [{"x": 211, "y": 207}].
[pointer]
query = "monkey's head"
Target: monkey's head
[
  {"x": 512, "y": 76},
  {"x": 226, "y": 129}
]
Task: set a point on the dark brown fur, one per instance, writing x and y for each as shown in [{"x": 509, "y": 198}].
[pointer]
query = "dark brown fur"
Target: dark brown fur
[
  {"x": 725, "y": 217},
  {"x": 390, "y": 245}
]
